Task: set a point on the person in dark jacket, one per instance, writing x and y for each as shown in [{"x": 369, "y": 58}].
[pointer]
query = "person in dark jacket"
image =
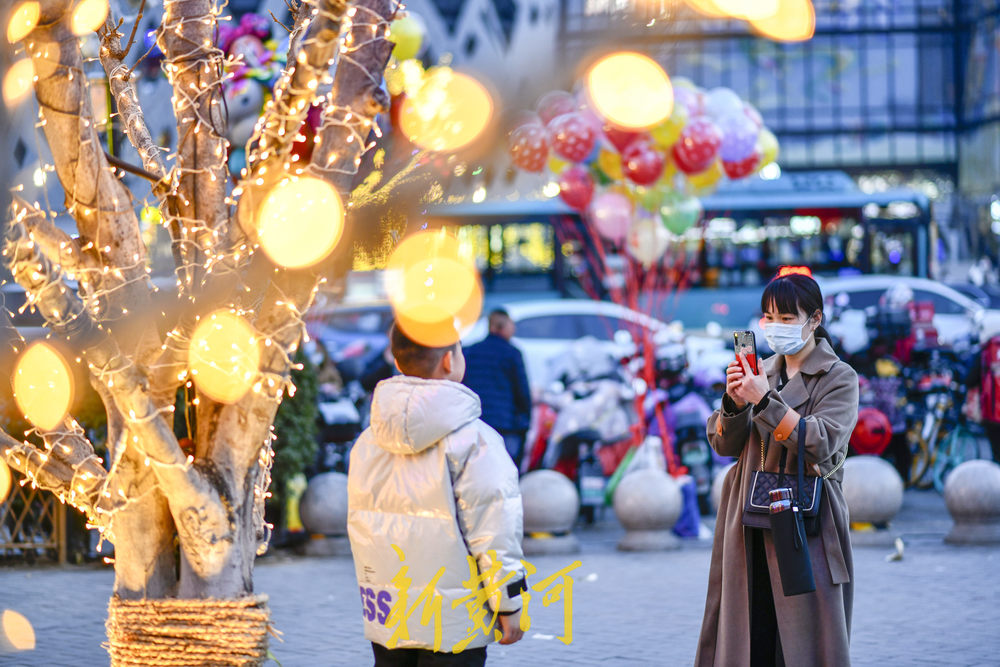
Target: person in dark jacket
[{"x": 495, "y": 372}]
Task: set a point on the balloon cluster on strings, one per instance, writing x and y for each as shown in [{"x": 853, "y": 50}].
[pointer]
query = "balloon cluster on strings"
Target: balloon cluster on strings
[{"x": 639, "y": 187}]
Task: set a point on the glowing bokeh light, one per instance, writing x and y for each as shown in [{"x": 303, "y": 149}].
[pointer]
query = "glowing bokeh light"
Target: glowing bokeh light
[
  {"x": 449, "y": 111},
  {"x": 224, "y": 356},
  {"x": 793, "y": 21},
  {"x": 300, "y": 221},
  {"x": 43, "y": 386},
  {"x": 17, "y": 82},
  {"x": 88, "y": 16},
  {"x": 708, "y": 8},
  {"x": 434, "y": 288},
  {"x": 17, "y": 631},
  {"x": 630, "y": 90},
  {"x": 23, "y": 20},
  {"x": 741, "y": 9},
  {"x": 5, "y": 481}
]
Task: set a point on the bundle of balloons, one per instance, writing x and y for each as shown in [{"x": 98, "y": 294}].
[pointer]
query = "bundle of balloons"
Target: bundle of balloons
[{"x": 640, "y": 189}]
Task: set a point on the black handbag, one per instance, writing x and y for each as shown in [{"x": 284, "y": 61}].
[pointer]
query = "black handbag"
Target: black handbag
[{"x": 807, "y": 494}]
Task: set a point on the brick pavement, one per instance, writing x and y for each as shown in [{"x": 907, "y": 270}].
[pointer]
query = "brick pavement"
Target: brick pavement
[{"x": 940, "y": 605}]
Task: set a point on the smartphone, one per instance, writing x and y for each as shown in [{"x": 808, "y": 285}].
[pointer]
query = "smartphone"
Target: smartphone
[{"x": 745, "y": 343}]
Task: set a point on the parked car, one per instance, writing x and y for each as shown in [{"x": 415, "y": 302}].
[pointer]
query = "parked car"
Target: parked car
[
  {"x": 957, "y": 318},
  {"x": 545, "y": 330}
]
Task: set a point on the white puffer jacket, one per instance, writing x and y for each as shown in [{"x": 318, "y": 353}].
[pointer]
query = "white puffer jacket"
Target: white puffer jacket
[{"x": 431, "y": 479}]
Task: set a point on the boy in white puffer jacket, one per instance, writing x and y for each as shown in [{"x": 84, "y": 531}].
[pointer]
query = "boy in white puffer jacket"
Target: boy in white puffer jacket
[{"x": 430, "y": 485}]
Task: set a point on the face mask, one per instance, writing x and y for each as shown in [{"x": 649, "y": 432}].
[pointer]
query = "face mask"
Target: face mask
[{"x": 785, "y": 338}]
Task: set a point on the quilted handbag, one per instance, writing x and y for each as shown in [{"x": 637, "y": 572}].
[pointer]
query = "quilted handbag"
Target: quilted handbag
[{"x": 807, "y": 492}]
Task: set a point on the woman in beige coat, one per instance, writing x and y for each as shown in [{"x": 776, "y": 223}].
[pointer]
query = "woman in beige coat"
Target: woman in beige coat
[{"x": 748, "y": 620}]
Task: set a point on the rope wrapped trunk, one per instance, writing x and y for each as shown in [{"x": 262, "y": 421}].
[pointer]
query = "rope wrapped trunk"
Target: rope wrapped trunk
[{"x": 188, "y": 633}]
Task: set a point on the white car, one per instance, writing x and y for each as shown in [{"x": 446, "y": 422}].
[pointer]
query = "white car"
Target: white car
[
  {"x": 547, "y": 330},
  {"x": 957, "y": 318}
]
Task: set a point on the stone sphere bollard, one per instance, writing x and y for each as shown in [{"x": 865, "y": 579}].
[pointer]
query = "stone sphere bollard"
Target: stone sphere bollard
[
  {"x": 972, "y": 495},
  {"x": 873, "y": 489},
  {"x": 551, "y": 504},
  {"x": 323, "y": 509},
  {"x": 648, "y": 503},
  {"x": 716, "y": 493}
]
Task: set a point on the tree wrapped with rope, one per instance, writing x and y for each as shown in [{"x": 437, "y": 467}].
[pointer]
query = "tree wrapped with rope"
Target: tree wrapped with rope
[{"x": 186, "y": 516}]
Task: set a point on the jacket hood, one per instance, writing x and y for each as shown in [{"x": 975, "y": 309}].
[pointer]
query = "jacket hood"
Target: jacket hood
[{"x": 410, "y": 414}]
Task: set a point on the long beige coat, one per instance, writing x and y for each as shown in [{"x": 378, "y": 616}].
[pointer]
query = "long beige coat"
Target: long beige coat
[{"x": 815, "y": 627}]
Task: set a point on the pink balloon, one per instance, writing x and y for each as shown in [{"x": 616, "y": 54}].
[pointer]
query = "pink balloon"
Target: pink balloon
[
  {"x": 611, "y": 215},
  {"x": 555, "y": 103},
  {"x": 576, "y": 187},
  {"x": 571, "y": 136},
  {"x": 697, "y": 146},
  {"x": 691, "y": 99},
  {"x": 753, "y": 115},
  {"x": 529, "y": 147}
]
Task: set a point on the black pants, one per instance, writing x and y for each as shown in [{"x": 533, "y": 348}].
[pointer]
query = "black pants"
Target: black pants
[
  {"x": 765, "y": 642},
  {"x": 420, "y": 657}
]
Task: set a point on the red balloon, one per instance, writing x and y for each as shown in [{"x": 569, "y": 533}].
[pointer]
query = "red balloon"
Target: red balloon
[
  {"x": 620, "y": 139},
  {"x": 529, "y": 147},
  {"x": 742, "y": 168},
  {"x": 555, "y": 103},
  {"x": 872, "y": 433},
  {"x": 642, "y": 164},
  {"x": 576, "y": 187},
  {"x": 698, "y": 144},
  {"x": 572, "y": 137}
]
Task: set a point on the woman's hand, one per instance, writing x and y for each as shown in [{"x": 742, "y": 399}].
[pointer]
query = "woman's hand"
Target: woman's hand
[
  {"x": 734, "y": 377},
  {"x": 750, "y": 388}
]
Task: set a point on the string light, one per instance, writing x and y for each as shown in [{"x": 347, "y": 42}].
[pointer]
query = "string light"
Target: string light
[
  {"x": 300, "y": 221},
  {"x": 88, "y": 16},
  {"x": 17, "y": 82},
  {"x": 43, "y": 385},
  {"x": 23, "y": 20},
  {"x": 630, "y": 90}
]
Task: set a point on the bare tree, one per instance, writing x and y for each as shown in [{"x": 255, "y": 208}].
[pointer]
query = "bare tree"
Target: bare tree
[{"x": 186, "y": 526}]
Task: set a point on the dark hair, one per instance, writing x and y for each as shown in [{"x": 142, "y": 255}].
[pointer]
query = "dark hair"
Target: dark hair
[
  {"x": 498, "y": 316},
  {"x": 792, "y": 293},
  {"x": 412, "y": 357}
]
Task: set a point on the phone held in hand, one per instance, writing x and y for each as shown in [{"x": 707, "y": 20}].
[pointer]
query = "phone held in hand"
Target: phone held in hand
[{"x": 745, "y": 343}]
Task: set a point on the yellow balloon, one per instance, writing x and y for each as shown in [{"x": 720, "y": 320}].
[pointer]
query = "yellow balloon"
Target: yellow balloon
[
  {"x": 669, "y": 172},
  {"x": 557, "y": 166},
  {"x": 407, "y": 34},
  {"x": 434, "y": 288},
  {"x": 767, "y": 144},
  {"x": 610, "y": 162},
  {"x": 704, "y": 182},
  {"x": 630, "y": 90},
  {"x": 666, "y": 134},
  {"x": 22, "y": 21},
  {"x": 300, "y": 221},
  {"x": 224, "y": 356},
  {"x": 43, "y": 386},
  {"x": 449, "y": 111}
]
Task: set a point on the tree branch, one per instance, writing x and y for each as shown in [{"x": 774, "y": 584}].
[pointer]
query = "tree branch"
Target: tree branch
[
  {"x": 101, "y": 205},
  {"x": 356, "y": 98},
  {"x": 127, "y": 100},
  {"x": 194, "y": 67},
  {"x": 54, "y": 243}
]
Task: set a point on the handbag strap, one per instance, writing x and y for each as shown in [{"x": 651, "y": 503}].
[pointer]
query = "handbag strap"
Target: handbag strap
[{"x": 802, "y": 457}]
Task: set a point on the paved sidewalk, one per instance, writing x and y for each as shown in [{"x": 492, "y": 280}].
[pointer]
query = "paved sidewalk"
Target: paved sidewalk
[{"x": 939, "y": 605}]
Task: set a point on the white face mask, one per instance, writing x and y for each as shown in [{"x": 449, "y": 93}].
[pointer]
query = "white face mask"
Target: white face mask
[{"x": 785, "y": 338}]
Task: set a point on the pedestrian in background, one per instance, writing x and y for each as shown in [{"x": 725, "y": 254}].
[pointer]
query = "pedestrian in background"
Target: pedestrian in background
[
  {"x": 748, "y": 620},
  {"x": 430, "y": 485},
  {"x": 495, "y": 371}
]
